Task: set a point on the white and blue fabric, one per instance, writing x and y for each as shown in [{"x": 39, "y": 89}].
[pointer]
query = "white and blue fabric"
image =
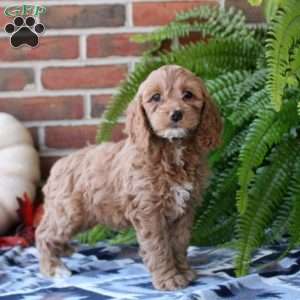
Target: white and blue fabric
[{"x": 116, "y": 272}]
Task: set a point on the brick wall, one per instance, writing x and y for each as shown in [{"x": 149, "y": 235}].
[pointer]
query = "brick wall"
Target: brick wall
[{"x": 60, "y": 89}]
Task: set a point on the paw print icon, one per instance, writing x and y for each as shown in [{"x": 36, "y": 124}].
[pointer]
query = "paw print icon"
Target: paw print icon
[{"x": 24, "y": 32}]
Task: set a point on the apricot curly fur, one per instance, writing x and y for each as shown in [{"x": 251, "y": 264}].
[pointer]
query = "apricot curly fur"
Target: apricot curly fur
[{"x": 152, "y": 180}]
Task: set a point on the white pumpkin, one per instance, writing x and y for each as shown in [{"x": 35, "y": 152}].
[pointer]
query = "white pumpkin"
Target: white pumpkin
[{"x": 19, "y": 168}]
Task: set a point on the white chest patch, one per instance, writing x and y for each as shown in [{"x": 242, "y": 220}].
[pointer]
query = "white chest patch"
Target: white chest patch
[
  {"x": 182, "y": 194},
  {"x": 179, "y": 156}
]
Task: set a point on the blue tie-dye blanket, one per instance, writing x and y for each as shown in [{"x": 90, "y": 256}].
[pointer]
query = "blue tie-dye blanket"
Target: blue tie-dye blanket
[{"x": 113, "y": 272}]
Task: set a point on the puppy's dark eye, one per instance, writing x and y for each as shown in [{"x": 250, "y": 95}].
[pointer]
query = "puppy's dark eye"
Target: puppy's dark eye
[
  {"x": 187, "y": 95},
  {"x": 156, "y": 97}
]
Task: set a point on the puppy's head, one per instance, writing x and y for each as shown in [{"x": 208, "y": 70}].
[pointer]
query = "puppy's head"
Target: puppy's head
[{"x": 172, "y": 103}]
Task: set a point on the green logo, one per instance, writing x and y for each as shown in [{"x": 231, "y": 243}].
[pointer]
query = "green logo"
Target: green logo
[{"x": 24, "y": 10}]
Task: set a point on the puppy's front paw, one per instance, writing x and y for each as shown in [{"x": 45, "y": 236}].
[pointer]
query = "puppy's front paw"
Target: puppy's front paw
[
  {"x": 190, "y": 275},
  {"x": 55, "y": 270},
  {"x": 178, "y": 281}
]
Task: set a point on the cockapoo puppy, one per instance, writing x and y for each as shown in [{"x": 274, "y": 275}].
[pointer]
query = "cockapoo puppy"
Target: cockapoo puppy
[{"x": 152, "y": 180}]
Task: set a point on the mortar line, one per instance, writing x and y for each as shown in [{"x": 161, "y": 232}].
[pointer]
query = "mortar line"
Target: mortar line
[
  {"x": 82, "y": 48},
  {"x": 49, "y": 93},
  {"x": 101, "y": 61}
]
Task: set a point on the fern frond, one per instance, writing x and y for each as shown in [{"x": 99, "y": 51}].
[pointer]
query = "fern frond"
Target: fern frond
[
  {"x": 209, "y": 21},
  {"x": 244, "y": 111},
  {"x": 216, "y": 57},
  {"x": 266, "y": 196},
  {"x": 218, "y": 234},
  {"x": 223, "y": 88},
  {"x": 220, "y": 196},
  {"x": 234, "y": 146},
  {"x": 283, "y": 33},
  {"x": 294, "y": 196},
  {"x": 252, "y": 83},
  {"x": 295, "y": 59},
  {"x": 124, "y": 237},
  {"x": 281, "y": 221},
  {"x": 96, "y": 234},
  {"x": 227, "y": 23},
  {"x": 260, "y": 33},
  {"x": 172, "y": 31},
  {"x": 266, "y": 130}
]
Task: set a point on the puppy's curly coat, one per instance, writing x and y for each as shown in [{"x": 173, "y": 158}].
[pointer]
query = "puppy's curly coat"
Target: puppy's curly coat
[{"x": 152, "y": 180}]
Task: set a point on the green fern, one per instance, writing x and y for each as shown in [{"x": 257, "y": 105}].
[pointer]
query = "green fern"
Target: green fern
[
  {"x": 223, "y": 88},
  {"x": 220, "y": 200},
  {"x": 266, "y": 197},
  {"x": 266, "y": 130},
  {"x": 295, "y": 58},
  {"x": 208, "y": 21},
  {"x": 234, "y": 146},
  {"x": 254, "y": 82},
  {"x": 281, "y": 222},
  {"x": 216, "y": 57},
  {"x": 294, "y": 193},
  {"x": 219, "y": 234},
  {"x": 283, "y": 33},
  {"x": 260, "y": 33},
  {"x": 246, "y": 110},
  {"x": 98, "y": 233},
  {"x": 124, "y": 237}
]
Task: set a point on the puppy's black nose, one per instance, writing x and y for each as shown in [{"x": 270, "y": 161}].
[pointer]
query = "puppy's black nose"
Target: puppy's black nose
[{"x": 176, "y": 115}]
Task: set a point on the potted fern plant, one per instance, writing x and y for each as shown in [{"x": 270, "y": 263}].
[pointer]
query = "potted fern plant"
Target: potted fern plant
[{"x": 253, "y": 74}]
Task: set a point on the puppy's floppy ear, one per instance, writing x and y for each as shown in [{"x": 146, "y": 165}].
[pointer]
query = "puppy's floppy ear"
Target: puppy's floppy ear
[
  {"x": 211, "y": 125},
  {"x": 137, "y": 126}
]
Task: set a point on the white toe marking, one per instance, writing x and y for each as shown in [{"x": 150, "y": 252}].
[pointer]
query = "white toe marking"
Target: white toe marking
[{"x": 62, "y": 272}]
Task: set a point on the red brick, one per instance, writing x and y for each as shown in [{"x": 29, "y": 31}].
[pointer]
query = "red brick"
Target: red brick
[
  {"x": 84, "y": 16},
  {"x": 68, "y": 137},
  {"x": 113, "y": 45},
  {"x": 62, "y": 47},
  {"x": 161, "y": 13},
  {"x": 43, "y": 108},
  {"x": 3, "y": 19},
  {"x": 13, "y": 79},
  {"x": 47, "y": 163},
  {"x": 253, "y": 13},
  {"x": 83, "y": 77},
  {"x": 99, "y": 103}
]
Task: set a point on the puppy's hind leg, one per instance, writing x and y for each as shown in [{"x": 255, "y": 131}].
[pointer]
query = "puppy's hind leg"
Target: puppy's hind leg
[
  {"x": 54, "y": 233},
  {"x": 49, "y": 246}
]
